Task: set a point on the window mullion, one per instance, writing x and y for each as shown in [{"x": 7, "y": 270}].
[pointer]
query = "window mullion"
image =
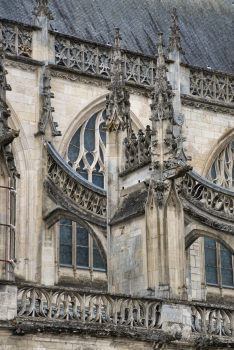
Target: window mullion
[
  {"x": 91, "y": 256},
  {"x": 74, "y": 247},
  {"x": 219, "y": 264}
]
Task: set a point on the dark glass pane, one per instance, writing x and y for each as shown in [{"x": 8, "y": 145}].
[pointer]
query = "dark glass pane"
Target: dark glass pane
[
  {"x": 65, "y": 222},
  {"x": 104, "y": 116},
  {"x": 82, "y": 256},
  {"x": 91, "y": 122},
  {"x": 226, "y": 258},
  {"x": 98, "y": 179},
  {"x": 101, "y": 154},
  {"x": 233, "y": 172},
  {"x": 209, "y": 242},
  {"x": 102, "y": 133},
  {"x": 226, "y": 156},
  {"x": 76, "y": 138},
  {"x": 211, "y": 275},
  {"x": 65, "y": 234},
  {"x": 89, "y": 140},
  {"x": 89, "y": 158},
  {"x": 65, "y": 254},
  {"x": 97, "y": 260},
  {"x": 73, "y": 153},
  {"x": 81, "y": 170},
  {"x": 82, "y": 236},
  {"x": 227, "y": 277},
  {"x": 210, "y": 257}
]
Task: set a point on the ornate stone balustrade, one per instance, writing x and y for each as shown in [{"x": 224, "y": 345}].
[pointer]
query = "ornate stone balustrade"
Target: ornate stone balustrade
[
  {"x": 16, "y": 39},
  {"x": 88, "y": 307},
  {"x": 207, "y": 195},
  {"x": 72, "y": 191},
  {"x": 213, "y": 321},
  {"x": 209, "y": 85},
  {"x": 96, "y": 59}
]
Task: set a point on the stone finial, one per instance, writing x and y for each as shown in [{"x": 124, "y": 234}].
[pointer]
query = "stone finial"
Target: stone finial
[
  {"x": 175, "y": 40},
  {"x": 118, "y": 38},
  {"x": 161, "y": 106},
  {"x": 47, "y": 109},
  {"x": 117, "y": 102},
  {"x": 42, "y": 9}
]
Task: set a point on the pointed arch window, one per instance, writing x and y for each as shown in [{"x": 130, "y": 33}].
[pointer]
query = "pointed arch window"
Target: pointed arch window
[
  {"x": 87, "y": 149},
  {"x": 218, "y": 264},
  {"x": 77, "y": 247},
  {"x": 222, "y": 169}
]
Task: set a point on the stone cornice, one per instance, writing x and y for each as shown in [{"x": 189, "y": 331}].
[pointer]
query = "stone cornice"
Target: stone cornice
[
  {"x": 206, "y": 70},
  {"x": 28, "y": 26},
  {"x": 75, "y": 76},
  {"x": 209, "y": 105}
]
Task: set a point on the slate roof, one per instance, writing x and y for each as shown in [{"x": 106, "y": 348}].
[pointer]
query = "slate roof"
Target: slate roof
[{"x": 206, "y": 26}]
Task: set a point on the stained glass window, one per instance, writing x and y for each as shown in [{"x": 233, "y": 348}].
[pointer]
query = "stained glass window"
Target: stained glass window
[
  {"x": 65, "y": 242},
  {"x": 87, "y": 149},
  {"x": 212, "y": 265},
  {"x": 74, "y": 247},
  {"x": 226, "y": 267},
  {"x": 210, "y": 261},
  {"x": 222, "y": 170}
]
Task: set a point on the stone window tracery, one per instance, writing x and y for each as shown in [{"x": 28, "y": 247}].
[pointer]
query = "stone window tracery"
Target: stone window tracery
[
  {"x": 218, "y": 264},
  {"x": 222, "y": 169},
  {"x": 87, "y": 149},
  {"x": 77, "y": 247}
]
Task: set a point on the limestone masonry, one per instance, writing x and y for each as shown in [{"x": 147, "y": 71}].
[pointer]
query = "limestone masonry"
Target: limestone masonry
[{"x": 116, "y": 174}]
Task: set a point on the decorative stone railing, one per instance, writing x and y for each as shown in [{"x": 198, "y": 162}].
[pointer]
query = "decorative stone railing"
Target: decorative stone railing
[
  {"x": 16, "y": 39},
  {"x": 93, "y": 307},
  {"x": 136, "y": 150},
  {"x": 207, "y": 195},
  {"x": 70, "y": 189},
  {"x": 209, "y": 85},
  {"x": 94, "y": 58},
  {"x": 88, "y": 307},
  {"x": 213, "y": 321}
]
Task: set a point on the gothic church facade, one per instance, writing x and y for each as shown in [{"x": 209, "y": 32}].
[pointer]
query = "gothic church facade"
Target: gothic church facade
[{"x": 116, "y": 174}]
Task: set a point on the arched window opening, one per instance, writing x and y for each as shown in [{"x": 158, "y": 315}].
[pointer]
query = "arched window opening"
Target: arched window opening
[
  {"x": 77, "y": 247},
  {"x": 218, "y": 264},
  {"x": 87, "y": 149},
  {"x": 222, "y": 169}
]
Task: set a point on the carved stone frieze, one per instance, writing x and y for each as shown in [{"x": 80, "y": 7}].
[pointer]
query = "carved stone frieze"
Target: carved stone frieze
[
  {"x": 47, "y": 109},
  {"x": 42, "y": 9},
  {"x": 22, "y": 66},
  {"x": 214, "y": 106}
]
